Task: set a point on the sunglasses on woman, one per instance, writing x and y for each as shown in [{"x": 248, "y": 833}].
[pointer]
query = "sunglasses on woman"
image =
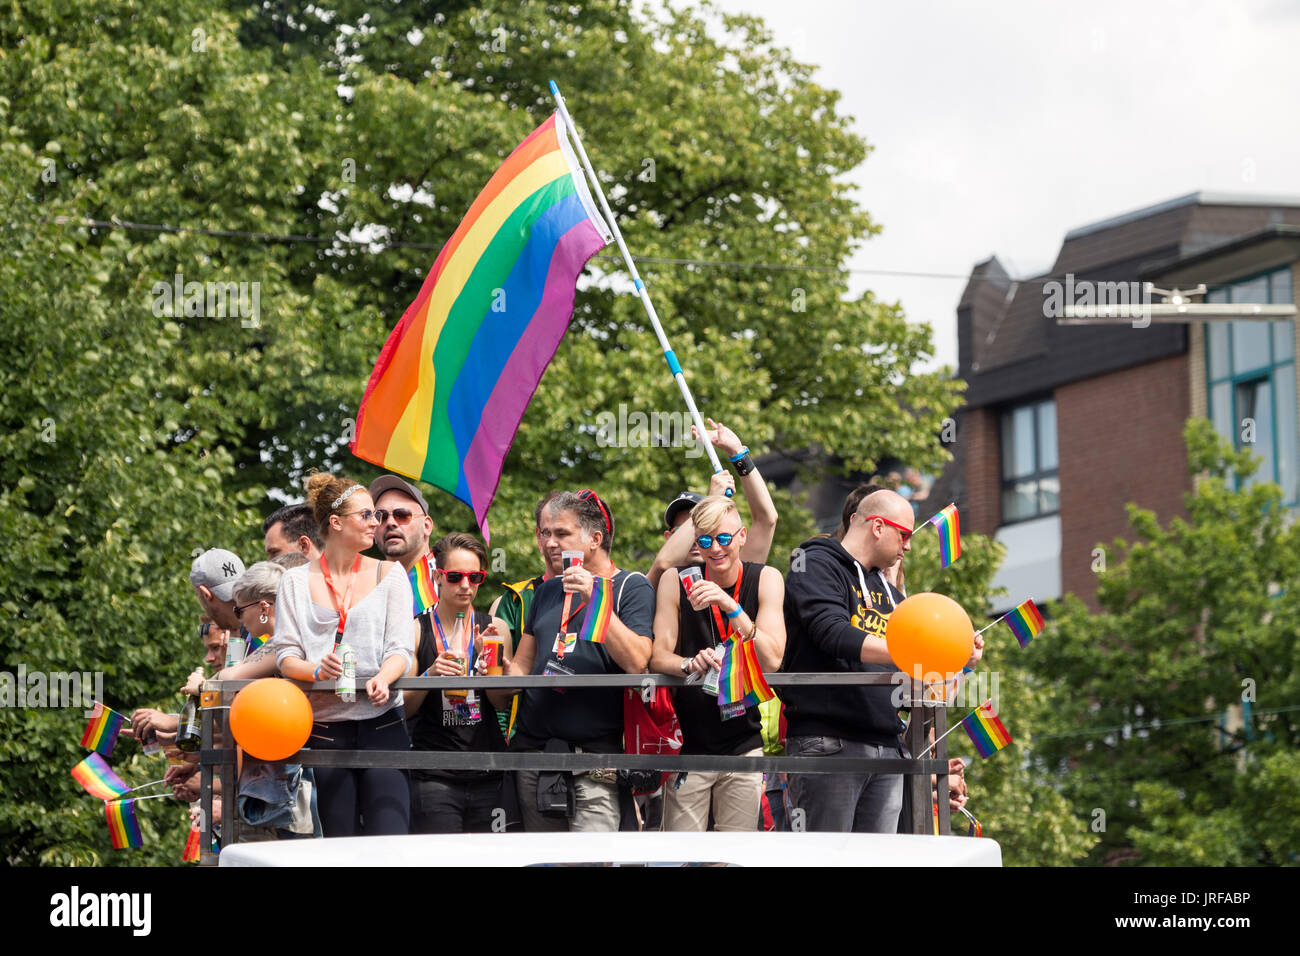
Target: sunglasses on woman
[
  {"x": 705, "y": 541},
  {"x": 453, "y": 577}
]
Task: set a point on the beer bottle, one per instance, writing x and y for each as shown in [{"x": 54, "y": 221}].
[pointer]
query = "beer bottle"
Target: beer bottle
[{"x": 188, "y": 728}]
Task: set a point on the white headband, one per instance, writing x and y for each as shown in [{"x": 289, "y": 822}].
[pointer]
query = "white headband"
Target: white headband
[{"x": 344, "y": 497}]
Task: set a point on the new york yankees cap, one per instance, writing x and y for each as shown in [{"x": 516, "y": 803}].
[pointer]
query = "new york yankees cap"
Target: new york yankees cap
[{"x": 217, "y": 570}]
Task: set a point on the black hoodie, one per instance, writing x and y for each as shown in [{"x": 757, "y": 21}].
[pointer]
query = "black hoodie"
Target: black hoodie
[{"x": 826, "y": 620}]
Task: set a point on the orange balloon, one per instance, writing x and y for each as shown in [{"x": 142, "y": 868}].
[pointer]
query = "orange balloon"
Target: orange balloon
[
  {"x": 271, "y": 718},
  {"x": 929, "y": 634}
]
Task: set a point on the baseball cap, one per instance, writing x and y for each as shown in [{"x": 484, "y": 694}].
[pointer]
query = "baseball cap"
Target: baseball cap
[
  {"x": 393, "y": 483},
  {"x": 683, "y": 502},
  {"x": 217, "y": 570}
]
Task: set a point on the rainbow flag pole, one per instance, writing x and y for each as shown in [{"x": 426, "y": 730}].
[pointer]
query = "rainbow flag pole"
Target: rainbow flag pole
[{"x": 669, "y": 356}]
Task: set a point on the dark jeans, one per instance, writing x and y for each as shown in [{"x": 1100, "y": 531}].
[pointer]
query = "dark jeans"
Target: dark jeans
[
  {"x": 363, "y": 801},
  {"x": 852, "y": 802},
  {"x": 443, "y": 805}
]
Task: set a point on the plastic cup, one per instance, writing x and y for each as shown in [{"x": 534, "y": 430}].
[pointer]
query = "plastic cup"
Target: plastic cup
[{"x": 689, "y": 576}]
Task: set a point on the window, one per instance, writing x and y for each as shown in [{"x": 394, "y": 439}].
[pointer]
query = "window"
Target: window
[
  {"x": 1030, "y": 486},
  {"x": 1250, "y": 370}
]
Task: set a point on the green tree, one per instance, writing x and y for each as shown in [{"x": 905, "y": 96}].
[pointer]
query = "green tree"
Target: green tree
[
  {"x": 377, "y": 123},
  {"x": 1173, "y": 708}
]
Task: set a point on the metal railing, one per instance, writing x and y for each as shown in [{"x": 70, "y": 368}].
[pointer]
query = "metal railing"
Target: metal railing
[{"x": 927, "y": 716}]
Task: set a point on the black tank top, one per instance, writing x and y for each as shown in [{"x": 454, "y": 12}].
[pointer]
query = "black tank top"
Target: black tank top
[
  {"x": 703, "y": 729},
  {"x": 441, "y": 728}
]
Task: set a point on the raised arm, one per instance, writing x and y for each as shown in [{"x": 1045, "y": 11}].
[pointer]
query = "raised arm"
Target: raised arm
[{"x": 762, "y": 510}]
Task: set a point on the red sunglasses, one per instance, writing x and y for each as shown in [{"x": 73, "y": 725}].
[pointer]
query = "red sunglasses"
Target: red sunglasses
[
  {"x": 453, "y": 577},
  {"x": 905, "y": 532}
]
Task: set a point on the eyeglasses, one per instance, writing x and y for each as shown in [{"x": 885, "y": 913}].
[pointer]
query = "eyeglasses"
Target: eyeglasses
[
  {"x": 705, "y": 541},
  {"x": 905, "y": 532},
  {"x": 399, "y": 515},
  {"x": 453, "y": 577},
  {"x": 204, "y": 627},
  {"x": 240, "y": 610},
  {"x": 366, "y": 516}
]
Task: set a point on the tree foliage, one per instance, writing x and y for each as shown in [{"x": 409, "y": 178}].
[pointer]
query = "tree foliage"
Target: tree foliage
[{"x": 366, "y": 130}]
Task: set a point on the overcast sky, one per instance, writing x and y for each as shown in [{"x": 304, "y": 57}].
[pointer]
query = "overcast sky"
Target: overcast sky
[{"x": 999, "y": 127}]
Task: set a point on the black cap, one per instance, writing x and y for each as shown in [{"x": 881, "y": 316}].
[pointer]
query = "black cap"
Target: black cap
[
  {"x": 393, "y": 483},
  {"x": 683, "y": 502}
]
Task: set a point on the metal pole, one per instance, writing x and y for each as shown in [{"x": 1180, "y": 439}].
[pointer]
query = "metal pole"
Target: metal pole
[{"x": 671, "y": 358}]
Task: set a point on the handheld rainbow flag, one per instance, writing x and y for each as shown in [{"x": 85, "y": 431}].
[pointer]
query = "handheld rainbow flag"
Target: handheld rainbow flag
[
  {"x": 985, "y": 730},
  {"x": 98, "y": 778},
  {"x": 742, "y": 676},
  {"x": 101, "y": 729},
  {"x": 949, "y": 535},
  {"x": 1025, "y": 622},
  {"x": 422, "y": 584},
  {"x": 975, "y": 828},
  {"x": 255, "y": 641},
  {"x": 451, "y": 384},
  {"x": 599, "y": 612},
  {"x": 123, "y": 827},
  {"x": 191, "y": 852}
]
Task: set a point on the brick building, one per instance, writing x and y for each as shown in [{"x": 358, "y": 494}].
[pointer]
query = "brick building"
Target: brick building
[{"x": 1066, "y": 423}]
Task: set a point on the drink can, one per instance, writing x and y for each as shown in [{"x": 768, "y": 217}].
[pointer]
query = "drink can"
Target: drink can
[
  {"x": 346, "y": 686},
  {"x": 235, "y": 651},
  {"x": 710, "y": 682},
  {"x": 150, "y": 742},
  {"x": 689, "y": 576}
]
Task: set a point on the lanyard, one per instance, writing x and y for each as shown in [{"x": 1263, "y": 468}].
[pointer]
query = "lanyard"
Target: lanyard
[
  {"x": 340, "y": 604},
  {"x": 724, "y": 630},
  {"x": 885, "y": 584}
]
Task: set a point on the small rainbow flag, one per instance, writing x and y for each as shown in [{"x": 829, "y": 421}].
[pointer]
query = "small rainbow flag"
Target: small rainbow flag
[
  {"x": 949, "y": 535},
  {"x": 98, "y": 778},
  {"x": 742, "y": 677},
  {"x": 600, "y": 610},
  {"x": 191, "y": 852},
  {"x": 985, "y": 730},
  {"x": 101, "y": 729},
  {"x": 422, "y": 584},
  {"x": 255, "y": 641},
  {"x": 975, "y": 828},
  {"x": 1025, "y": 622},
  {"x": 123, "y": 827},
  {"x": 450, "y": 386}
]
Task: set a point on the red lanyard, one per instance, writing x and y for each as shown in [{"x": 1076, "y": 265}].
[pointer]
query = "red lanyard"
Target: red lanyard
[
  {"x": 340, "y": 604},
  {"x": 724, "y": 630}
]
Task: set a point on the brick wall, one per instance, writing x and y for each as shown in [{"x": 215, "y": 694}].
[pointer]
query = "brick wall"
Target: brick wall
[
  {"x": 1120, "y": 440},
  {"x": 977, "y": 432}
]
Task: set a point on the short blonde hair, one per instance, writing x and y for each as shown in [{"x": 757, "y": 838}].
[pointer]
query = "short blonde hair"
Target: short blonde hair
[{"x": 709, "y": 514}]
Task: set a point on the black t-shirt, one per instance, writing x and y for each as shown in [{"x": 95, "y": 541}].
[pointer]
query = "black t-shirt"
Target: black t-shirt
[
  {"x": 703, "y": 729},
  {"x": 590, "y": 718},
  {"x": 442, "y": 724}
]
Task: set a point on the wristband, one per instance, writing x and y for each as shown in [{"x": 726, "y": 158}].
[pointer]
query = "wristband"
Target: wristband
[
  {"x": 739, "y": 455},
  {"x": 745, "y": 465},
  {"x": 735, "y": 614}
]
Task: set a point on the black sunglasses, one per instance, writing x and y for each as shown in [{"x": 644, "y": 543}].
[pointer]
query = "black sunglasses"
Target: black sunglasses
[
  {"x": 240, "y": 610},
  {"x": 453, "y": 577}
]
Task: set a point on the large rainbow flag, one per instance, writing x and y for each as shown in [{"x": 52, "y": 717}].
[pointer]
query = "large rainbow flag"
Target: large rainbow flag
[{"x": 451, "y": 384}]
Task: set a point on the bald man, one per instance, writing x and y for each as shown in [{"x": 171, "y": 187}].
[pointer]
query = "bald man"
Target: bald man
[{"x": 837, "y": 602}]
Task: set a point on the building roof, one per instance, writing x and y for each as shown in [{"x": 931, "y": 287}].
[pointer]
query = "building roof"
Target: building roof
[{"x": 1009, "y": 348}]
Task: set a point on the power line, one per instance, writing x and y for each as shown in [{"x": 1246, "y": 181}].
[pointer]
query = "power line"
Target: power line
[
  {"x": 116, "y": 223},
  {"x": 1160, "y": 725}
]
